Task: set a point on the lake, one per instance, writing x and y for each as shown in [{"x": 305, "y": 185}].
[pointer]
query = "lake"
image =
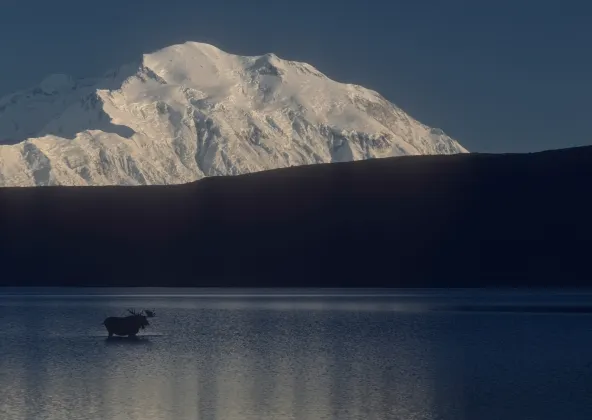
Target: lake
[{"x": 297, "y": 354}]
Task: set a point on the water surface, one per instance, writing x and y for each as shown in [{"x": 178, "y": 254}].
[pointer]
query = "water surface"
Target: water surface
[{"x": 297, "y": 354}]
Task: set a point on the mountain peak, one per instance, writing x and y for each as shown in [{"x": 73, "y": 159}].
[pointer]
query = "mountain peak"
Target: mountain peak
[{"x": 192, "y": 110}]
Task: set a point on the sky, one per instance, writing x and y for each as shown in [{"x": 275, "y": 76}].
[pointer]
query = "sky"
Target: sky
[{"x": 500, "y": 76}]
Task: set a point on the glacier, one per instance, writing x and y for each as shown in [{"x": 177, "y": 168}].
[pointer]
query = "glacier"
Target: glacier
[{"x": 191, "y": 111}]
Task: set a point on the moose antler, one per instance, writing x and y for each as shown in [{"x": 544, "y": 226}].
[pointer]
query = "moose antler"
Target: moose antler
[
  {"x": 133, "y": 312},
  {"x": 150, "y": 313}
]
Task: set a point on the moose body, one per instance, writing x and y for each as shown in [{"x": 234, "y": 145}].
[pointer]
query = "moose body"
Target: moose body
[{"x": 128, "y": 325}]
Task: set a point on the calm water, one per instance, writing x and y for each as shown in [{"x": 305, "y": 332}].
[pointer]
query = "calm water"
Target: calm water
[{"x": 317, "y": 356}]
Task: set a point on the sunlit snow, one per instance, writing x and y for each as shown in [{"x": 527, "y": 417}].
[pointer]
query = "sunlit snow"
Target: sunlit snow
[{"x": 190, "y": 111}]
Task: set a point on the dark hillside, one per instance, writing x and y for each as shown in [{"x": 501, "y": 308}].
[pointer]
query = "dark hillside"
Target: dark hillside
[{"x": 437, "y": 221}]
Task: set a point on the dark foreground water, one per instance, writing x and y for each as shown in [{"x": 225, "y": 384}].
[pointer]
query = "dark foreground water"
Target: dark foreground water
[{"x": 305, "y": 355}]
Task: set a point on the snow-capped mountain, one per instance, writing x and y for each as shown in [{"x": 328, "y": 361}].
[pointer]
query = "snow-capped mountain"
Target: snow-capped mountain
[{"x": 190, "y": 111}]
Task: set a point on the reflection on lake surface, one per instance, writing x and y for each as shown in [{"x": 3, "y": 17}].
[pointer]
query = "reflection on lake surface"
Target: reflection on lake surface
[{"x": 402, "y": 356}]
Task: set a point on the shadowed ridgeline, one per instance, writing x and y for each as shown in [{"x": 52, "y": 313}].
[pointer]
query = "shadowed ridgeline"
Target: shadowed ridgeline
[
  {"x": 64, "y": 108},
  {"x": 425, "y": 221}
]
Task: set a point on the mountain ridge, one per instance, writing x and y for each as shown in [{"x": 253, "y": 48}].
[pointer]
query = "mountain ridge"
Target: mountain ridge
[{"x": 191, "y": 110}]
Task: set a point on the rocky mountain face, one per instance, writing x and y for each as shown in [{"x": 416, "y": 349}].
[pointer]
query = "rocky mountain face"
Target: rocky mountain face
[{"x": 191, "y": 111}]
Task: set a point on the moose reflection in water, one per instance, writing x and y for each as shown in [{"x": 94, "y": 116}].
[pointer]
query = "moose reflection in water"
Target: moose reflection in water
[{"x": 129, "y": 325}]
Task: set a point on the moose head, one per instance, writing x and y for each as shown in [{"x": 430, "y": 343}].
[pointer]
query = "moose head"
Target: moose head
[{"x": 142, "y": 316}]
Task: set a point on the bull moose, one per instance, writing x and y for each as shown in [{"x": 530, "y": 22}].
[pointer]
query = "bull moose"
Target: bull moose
[{"x": 129, "y": 325}]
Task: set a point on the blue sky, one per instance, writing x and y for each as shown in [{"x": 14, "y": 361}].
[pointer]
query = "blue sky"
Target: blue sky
[{"x": 500, "y": 76}]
